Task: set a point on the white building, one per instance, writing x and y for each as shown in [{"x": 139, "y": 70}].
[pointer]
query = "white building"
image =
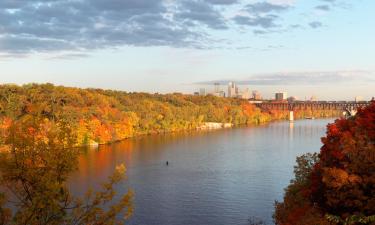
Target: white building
[
  {"x": 219, "y": 94},
  {"x": 232, "y": 90},
  {"x": 281, "y": 96},
  {"x": 202, "y": 92},
  {"x": 217, "y": 91},
  {"x": 244, "y": 94},
  {"x": 358, "y": 99}
]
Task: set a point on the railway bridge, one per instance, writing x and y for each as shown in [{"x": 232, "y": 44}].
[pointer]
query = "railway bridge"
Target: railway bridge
[{"x": 347, "y": 108}]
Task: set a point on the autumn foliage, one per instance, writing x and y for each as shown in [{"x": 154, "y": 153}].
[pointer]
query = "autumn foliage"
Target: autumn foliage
[
  {"x": 37, "y": 158},
  {"x": 103, "y": 116},
  {"x": 338, "y": 185}
]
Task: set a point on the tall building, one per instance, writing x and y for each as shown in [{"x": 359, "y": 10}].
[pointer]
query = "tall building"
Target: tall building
[
  {"x": 281, "y": 96},
  {"x": 202, "y": 92},
  {"x": 257, "y": 95},
  {"x": 244, "y": 94},
  {"x": 216, "y": 87},
  {"x": 232, "y": 90}
]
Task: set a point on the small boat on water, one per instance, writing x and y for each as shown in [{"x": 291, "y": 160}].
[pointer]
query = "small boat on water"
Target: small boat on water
[{"x": 310, "y": 118}]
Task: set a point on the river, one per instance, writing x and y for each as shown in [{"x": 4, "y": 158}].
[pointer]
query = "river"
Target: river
[{"x": 220, "y": 177}]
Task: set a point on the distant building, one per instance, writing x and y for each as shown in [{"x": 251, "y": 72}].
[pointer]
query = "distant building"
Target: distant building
[
  {"x": 202, "y": 92},
  {"x": 217, "y": 91},
  {"x": 313, "y": 98},
  {"x": 244, "y": 94},
  {"x": 292, "y": 99},
  {"x": 281, "y": 96},
  {"x": 232, "y": 90},
  {"x": 217, "y": 88},
  {"x": 358, "y": 99},
  {"x": 196, "y": 93},
  {"x": 257, "y": 95},
  {"x": 219, "y": 94}
]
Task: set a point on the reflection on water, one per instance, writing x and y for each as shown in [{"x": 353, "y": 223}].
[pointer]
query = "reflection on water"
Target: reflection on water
[
  {"x": 291, "y": 130},
  {"x": 218, "y": 177}
]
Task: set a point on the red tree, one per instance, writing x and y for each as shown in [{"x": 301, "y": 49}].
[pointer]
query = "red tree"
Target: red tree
[{"x": 338, "y": 187}]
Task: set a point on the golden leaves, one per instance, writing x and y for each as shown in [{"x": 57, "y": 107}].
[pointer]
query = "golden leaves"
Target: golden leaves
[{"x": 336, "y": 178}]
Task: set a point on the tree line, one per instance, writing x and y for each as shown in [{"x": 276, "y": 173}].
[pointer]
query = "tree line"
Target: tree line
[{"x": 103, "y": 116}]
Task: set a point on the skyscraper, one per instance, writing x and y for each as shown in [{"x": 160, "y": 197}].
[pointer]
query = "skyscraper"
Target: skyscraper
[
  {"x": 232, "y": 90},
  {"x": 217, "y": 88},
  {"x": 257, "y": 95},
  {"x": 202, "y": 92},
  {"x": 280, "y": 96}
]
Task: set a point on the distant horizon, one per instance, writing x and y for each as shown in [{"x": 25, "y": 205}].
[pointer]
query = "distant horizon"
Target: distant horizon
[{"x": 209, "y": 90}]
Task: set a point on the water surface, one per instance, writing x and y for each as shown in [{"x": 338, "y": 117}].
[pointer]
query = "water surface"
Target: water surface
[{"x": 221, "y": 177}]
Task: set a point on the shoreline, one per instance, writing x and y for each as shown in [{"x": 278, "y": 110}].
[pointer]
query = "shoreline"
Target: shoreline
[{"x": 218, "y": 126}]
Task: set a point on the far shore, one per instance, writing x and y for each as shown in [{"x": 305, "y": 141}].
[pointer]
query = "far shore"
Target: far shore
[{"x": 206, "y": 126}]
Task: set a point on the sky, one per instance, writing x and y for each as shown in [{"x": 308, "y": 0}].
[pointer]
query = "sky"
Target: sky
[{"x": 322, "y": 48}]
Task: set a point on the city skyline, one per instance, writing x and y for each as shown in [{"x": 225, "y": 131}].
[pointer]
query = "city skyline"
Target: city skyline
[
  {"x": 320, "y": 48},
  {"x": 244, "y": 92}
]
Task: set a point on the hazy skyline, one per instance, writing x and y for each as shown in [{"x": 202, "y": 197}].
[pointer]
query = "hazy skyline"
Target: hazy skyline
[{"x": 321, "y": 47}]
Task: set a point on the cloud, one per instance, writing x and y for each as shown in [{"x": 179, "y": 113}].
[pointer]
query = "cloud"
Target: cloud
[
  {"x": 303, "y": 78},
  {"x": 66, "y": 26},
  {"x": 69, "y": 56},
  {"x": 261, "y": 14},
  {"x": 323, "y": 7},
  {"x": 265, "y": 7},
  {"x": 59, "y": 25},
  {"x": 222, "y": 2},
  {"x": 267, "y": 21},
  {"x": 201, "y": 12},
  {"x": 328, "y": 5},
  {"x": 315, "y": 24}
]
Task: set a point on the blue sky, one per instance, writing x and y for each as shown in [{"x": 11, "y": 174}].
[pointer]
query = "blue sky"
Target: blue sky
[{"x": 306, "y": 47}]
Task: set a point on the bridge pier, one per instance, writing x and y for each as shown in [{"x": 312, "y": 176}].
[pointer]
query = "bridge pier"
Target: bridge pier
[{"x": 291, "y": 115}]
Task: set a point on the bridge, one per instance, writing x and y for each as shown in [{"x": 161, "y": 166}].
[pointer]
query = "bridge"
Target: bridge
[{"x": 348, "y": 108}]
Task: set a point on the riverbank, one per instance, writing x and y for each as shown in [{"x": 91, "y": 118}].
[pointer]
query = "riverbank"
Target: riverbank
[
  {"x": 95, "y": 116},
  {"x": 207, "y": 126},
  {"x": 214, "y": 126}
]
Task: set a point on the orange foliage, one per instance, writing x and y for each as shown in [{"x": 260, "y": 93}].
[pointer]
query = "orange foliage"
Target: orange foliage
[{"x": 342, "y": 181}]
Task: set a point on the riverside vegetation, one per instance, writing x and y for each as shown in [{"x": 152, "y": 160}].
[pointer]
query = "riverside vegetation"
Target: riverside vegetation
[
  {"x": 40, "y": 126},
  {"x": 104, "y": 116},
  {"x": 336, "y": 186}
]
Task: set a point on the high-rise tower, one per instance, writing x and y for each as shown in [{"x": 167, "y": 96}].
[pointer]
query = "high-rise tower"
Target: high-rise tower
[{"x": 232, "y": 90}]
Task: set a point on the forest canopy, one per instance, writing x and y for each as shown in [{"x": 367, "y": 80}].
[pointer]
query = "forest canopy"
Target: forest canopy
[
  {"x": 103, "y": 116},
  {"x": 338, "y": 185}
]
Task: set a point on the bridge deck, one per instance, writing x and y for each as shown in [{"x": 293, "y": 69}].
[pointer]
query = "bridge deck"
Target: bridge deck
[{"x": 311, "y": 105}]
